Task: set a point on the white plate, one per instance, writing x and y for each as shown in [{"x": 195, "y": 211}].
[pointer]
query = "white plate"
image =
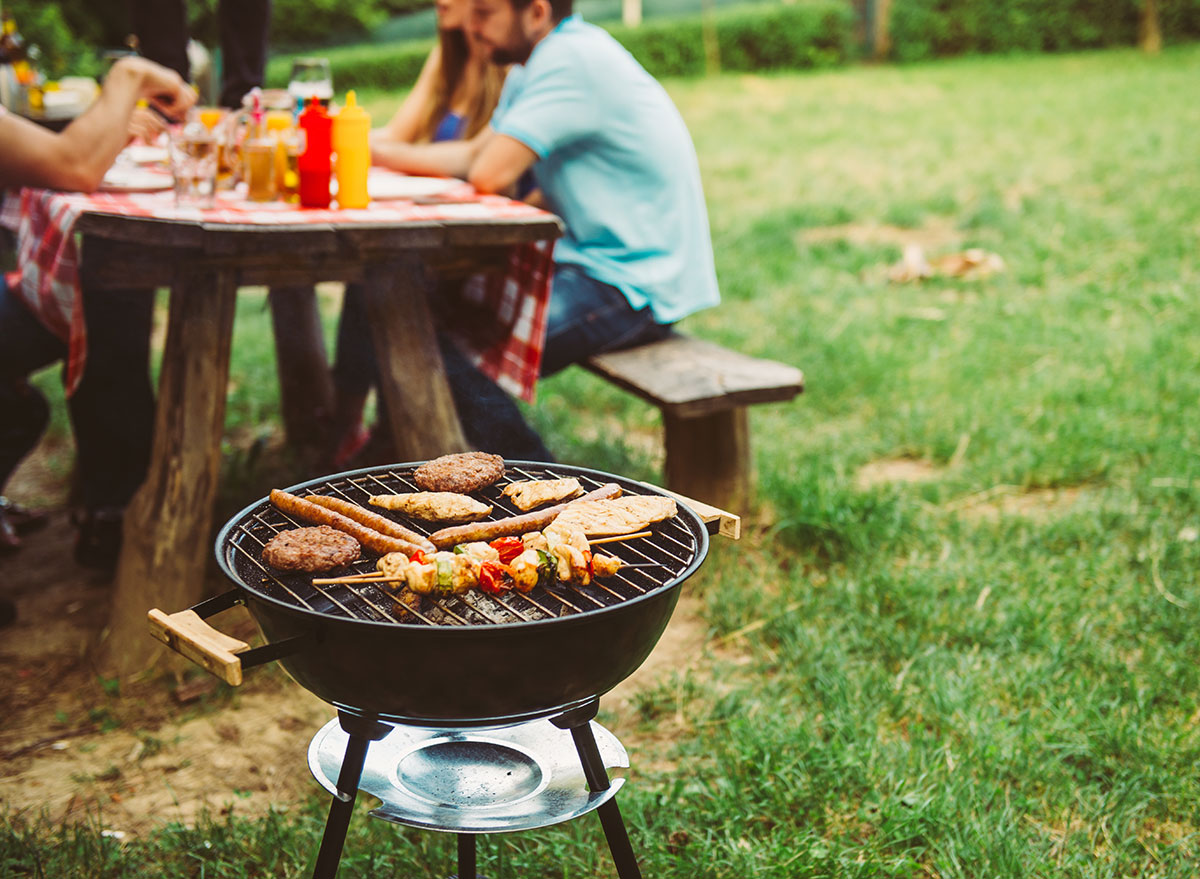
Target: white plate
[
  {"x": 385, "y": 186},
  {"x": 135, "y": 180},
  {"x": 145, "y": 154}
]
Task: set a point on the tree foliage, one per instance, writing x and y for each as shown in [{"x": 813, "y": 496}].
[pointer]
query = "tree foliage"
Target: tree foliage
[
  {"x": 929, "y": 28},
  {"x": 72, "y": 33},
  {"x": 65, "y": 42}
]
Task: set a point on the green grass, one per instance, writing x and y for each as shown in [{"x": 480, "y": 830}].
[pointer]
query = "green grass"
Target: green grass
[{"x": 928, "y": 692}]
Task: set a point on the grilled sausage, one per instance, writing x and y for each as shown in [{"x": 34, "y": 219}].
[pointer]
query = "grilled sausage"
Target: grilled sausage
[
  {"x": 514, "y": 525},
  {"x": 318, "y": 515},
  {"x": 374, "y": 521}
]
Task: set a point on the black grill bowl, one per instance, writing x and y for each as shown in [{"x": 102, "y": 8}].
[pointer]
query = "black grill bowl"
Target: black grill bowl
[{"x": 458, "y": 671}]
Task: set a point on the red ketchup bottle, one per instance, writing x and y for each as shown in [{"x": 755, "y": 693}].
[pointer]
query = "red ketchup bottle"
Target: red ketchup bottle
[{"x": 314, "y": 163}]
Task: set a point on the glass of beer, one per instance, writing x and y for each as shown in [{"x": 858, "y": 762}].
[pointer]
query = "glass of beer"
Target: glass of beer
[
  {"x": 291, "y": 145},
  {"x": 259, "y": 157}
]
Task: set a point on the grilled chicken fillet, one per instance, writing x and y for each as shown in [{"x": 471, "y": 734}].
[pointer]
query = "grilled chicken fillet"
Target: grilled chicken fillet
[
  {"x": 434, "y": 506},
  {"x": 534, "y": 492}
]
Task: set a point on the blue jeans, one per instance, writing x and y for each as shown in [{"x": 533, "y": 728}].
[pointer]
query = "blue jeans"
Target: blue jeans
[
  {"x": 585, "y": 317},
  {"x": 112, "y": 410}
]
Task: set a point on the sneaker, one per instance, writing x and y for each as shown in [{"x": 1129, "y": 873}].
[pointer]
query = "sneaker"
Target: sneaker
[
  {"x": 17, "y": 521},
  {"x": 23, "y": 520},
  {"x": 98, "y": 538}
]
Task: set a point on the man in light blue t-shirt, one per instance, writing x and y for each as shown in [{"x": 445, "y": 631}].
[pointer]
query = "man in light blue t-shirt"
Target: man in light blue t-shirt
[{"x": 611, "y": 155}]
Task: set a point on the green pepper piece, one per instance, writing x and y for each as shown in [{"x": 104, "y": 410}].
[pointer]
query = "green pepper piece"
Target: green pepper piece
[
  {"x": 445, "y": 576},
  {"x": 547, "y": 569}
]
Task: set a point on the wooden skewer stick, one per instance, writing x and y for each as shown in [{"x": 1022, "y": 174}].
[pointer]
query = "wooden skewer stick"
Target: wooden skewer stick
[
  {"x": 618, "y": 538},
  {"x": 375, "y": 578}
]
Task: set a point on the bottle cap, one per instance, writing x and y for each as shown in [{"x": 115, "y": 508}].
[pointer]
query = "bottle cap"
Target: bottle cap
[{"x": 352, "y": 112}]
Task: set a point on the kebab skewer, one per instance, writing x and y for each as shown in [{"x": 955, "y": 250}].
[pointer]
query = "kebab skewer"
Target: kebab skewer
[{"x": 505, "y": 564}]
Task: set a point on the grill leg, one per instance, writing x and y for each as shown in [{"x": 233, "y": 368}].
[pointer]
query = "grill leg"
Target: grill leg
[
  {"x": 466, "y": 856},
  {"x": 578, "y": 722},
  {"x": 362, "y": 732}
]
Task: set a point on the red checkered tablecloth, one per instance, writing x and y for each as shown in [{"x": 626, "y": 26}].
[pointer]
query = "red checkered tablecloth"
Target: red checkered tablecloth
[{"x": 506, "y": 345}]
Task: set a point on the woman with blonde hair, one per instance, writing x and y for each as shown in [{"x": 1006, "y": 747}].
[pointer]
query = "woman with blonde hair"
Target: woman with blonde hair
[
  {"x": 453, "y": 99},
  {"x": 456, "y": 92}
]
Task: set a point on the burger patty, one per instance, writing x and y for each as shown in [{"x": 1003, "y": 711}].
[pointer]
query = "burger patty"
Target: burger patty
[
  {"x": 310, "y": 549},
  {"x": 464, "y": 473}
]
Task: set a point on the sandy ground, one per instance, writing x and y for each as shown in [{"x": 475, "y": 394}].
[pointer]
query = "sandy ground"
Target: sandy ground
[{"x": 76, "y": 747}]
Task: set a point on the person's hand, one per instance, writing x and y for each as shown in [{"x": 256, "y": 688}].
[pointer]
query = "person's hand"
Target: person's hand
[
  {"x": 145, "y": 126},
  {"x": 160, "y": 86}
]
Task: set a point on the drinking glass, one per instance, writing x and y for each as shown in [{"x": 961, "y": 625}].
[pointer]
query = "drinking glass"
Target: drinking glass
[
  {"x": 311, "y": 78},
  {"x": 193, "y": 151}
]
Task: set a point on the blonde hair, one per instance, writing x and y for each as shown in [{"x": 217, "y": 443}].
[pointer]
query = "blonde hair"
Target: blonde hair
[{"x": 455, "y": 55}]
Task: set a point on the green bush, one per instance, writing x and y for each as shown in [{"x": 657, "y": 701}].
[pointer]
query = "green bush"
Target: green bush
[
  {"x": 1180, "y": 19},
  {"x": 929, "y": 28},
  {"x": 813, "y": 33},
  {"x": 297, "y": 23},
  {"x": 43, "y": 25},
  {"x": 804, "y": 35}
]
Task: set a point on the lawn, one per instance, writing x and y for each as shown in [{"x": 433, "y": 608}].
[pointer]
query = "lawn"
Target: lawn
[{"x": 960, "y": 637}]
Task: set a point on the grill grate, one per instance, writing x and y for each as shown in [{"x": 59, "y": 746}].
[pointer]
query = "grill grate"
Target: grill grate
[{"x": 662, "y": 557}]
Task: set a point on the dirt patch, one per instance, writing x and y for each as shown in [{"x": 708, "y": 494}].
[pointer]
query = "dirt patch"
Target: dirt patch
[
  {"x": 1038, "y": 504},
  {"x": 933, "y": 234},
  {"x": 888, "y": 470},
  {"x": 78, "y": 750}
]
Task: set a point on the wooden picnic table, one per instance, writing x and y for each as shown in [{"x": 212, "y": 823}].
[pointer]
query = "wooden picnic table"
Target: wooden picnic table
[{"x": 167, "y": 527}]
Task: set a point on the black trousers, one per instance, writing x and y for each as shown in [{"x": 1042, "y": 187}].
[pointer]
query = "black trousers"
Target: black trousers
[
  {"x": 112, "y": 410},
  {"x": 162, "y": 30}
]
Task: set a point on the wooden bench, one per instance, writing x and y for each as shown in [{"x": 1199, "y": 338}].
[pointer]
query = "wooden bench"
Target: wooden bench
[{"x": 702, "y": 390}]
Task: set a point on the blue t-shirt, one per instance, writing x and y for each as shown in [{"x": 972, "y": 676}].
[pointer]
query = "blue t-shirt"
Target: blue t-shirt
[{"x": 616, "y": 162}]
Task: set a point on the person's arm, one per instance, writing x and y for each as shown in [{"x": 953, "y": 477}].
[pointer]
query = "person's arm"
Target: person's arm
[
  {"x": 77, "y": 158},
  {"x": 145, "y": 125},
  {"x": 500, "y": 164},
  {"x": 448, "y": 158},
  {"x": 554, "y": 106},
  {"x": 402, "y": 127}
]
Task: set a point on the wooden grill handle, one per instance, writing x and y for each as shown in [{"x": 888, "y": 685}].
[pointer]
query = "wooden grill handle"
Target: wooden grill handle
[
  {"x": 728, "y": 524},
  {"x": 189, "y": 635}
]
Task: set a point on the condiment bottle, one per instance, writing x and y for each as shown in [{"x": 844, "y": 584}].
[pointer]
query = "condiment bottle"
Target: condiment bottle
[
  {"x": 351, "y": 142},
  {"x": 314, "y": 162}
]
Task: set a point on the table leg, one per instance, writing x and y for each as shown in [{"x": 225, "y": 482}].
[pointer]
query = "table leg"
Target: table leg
[
  {"x": 412, "y": 376},
  {"x": 305, "y": 386},
  {"x": 166, "y": 530}
]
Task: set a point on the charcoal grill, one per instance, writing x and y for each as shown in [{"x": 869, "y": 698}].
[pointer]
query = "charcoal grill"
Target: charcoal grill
[{"x": 459, "y": 663}]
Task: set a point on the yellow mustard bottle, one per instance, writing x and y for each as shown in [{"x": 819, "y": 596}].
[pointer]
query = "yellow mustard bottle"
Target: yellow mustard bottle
[{"x": 351, "y": 143}]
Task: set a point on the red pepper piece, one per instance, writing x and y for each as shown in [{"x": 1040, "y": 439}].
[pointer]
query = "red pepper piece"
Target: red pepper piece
[
  {"x": 495, "y": 578},
  {"x": 508, "y": 547}
]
